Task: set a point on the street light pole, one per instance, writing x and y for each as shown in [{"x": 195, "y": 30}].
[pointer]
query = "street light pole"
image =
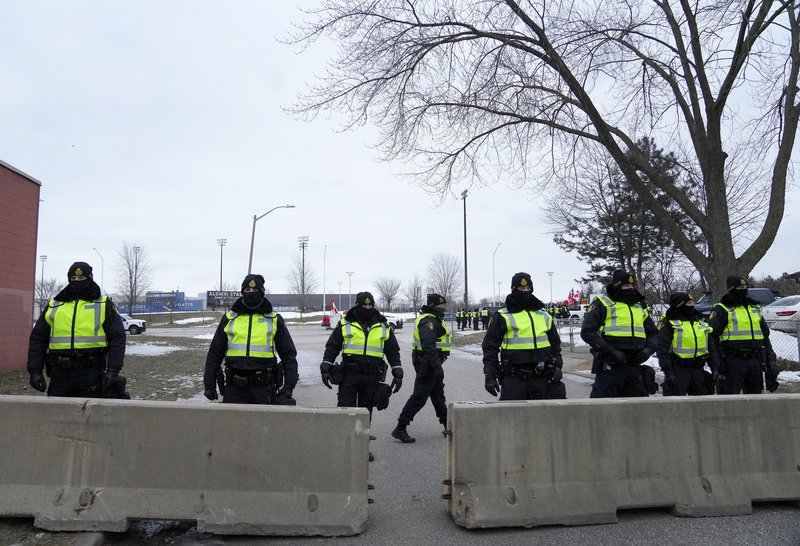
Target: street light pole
[
  {"x": 340, "y": 283},
  {"x": 494, "y": 298},
  {"x": 221, "y": 243},
  {"x": 349, "y": 289},
  {"x": 136, "y": 251},
  {"x": 550, "y": 274},
  {"x": 302, "y": 245},
  {"x": 466, "y": 285},
  {"x": 324, "y": 258},
  {"x": 43, "y": 258},
  {"x": 253, "y": 235},
  {"x": 102, "y": 271}
]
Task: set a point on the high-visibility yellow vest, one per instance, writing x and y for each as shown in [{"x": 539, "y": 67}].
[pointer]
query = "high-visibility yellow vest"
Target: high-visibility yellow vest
[
  {"x": 526, "y": 330},
  {"x": 355, "y": 341},
  {"x": 444, "y": 341},
  {"x": 690, "y": 338},
  {"x": 622, "y": 320},
  {"x": 251, "y": 335},
  {"x": 77, "y": 324},
  {"x": 744, "y": 323}
]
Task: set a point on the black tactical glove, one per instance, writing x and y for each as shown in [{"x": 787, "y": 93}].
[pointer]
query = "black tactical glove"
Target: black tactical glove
[
  {"x": 771, "y": 376},
  {"x": 109, "y": 380},
  {"x": 211, "y": 393},
  {"x": 615, "y": 355},
  {"x": 325, "y": 370},
  {"x": 397, "y": 382},
  {"x": 491, "y": 385},
  {"x": 557, "y": 374},
  {"x": 286, "y": 391},
  {"x": 37, "y": 381},
  {"x": 642, "y": 356},
  {"x": 221, "y": 381}
]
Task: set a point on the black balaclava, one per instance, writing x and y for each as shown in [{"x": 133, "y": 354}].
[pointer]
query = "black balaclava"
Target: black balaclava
[
  {"x": 737, "y": 289},
  {"x": 362, "y": 314},
  {"x": 614, "y": 289},
  {"x": 435, "y": 305},
  {"x": 682, "y": 304},
  {"x": 252, "y": 300},
  {"x": 81, "y": 289},
  {"x": 520, "y": 298}
]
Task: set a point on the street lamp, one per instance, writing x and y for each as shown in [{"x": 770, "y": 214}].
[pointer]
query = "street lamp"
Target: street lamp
[
  {"x": 494, "y": 298},
  {"x": 466, "y": 289},
  {"x": 550, "y": 274},
  {"x": 253, "y": 236},
  {"x": 349, "y": 289},
  {"x": 302, "y": 242},
  {"x": 221, "y": 243},
  {"x": 43, "y": 258},
  {"x": 340, "y": 283},
  {"x": 136, "y": 251},
  {"x": 324, "y": 258},
  {"x": 102, "y": 271}
]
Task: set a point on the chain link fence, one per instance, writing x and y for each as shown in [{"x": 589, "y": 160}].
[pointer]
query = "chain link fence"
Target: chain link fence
[{"x": 785, "y": 338}]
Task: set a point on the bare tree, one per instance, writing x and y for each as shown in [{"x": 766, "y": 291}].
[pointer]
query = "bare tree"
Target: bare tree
[
  {"x": 133, "y": 273},
  {"x": 302, "y": 282},
  {"x": 445, "y": 275},
  {"x": 45, "y": 290},
  {"x": 388, "y": 288},
  {"x": 414, "y": 292},
  {"x": 475, "y": 91}
]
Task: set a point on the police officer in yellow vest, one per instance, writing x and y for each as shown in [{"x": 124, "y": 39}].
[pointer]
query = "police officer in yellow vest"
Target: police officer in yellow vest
[
  {"x": 527, "y": 341},
  {"x": 79, "y": 339},
  {"x": 683, "y": 348},
  {"x": 251, "y": 338},
  {"x": 430, "y": 347},
  {"x": 740, "y": 346},
  {"x": 622, "y": 337}
]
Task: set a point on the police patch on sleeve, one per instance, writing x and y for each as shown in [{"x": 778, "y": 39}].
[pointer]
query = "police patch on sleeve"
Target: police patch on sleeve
[
  {"x": 590, "y": 309},
  {"x": 661, "y": 324},
  {"x": 711, "y": 316},
  {"x": 430, "y": 326}
]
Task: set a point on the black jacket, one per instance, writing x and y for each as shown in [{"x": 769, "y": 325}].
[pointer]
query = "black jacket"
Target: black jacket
[
  {"x": 718, "y": 320},
  {"x": 430, "y": 330},
  {"x": 391, "y": 348},
  {"x": 496, "y": 331},
  {"x": 595, "y": 317},
  {"x": 115, "y": 335},
  {"x": 666, "y": 358},
  {"x": 284, "y": 346}
]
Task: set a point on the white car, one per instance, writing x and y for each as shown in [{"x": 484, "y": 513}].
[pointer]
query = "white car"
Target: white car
[
  {"x": 132, "y": 325},
  {"x": 783, "y": 314}
]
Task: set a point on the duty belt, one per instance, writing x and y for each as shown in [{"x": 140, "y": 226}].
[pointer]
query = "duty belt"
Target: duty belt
[
  {"x": 698, "y": 362},
  {"x": 744, "y": 352},
  {"x": 527, "y": 372},
  {"x": 249, "y": 378},
  {"x": 361, "y": 367},
  {"x": 77, "y": 361}
]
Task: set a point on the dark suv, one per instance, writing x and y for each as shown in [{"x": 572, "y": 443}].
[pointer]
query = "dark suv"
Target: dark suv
[{"x": 763, "y": 296}]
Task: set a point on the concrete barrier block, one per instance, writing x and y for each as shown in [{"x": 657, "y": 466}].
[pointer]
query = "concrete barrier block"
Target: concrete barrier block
[
  {"x": 573, "y": 462},
  {"x": 93, "y": 465}
]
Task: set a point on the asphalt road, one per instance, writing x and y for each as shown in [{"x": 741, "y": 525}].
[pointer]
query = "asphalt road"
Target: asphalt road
[{"x": 407, "y": 477}]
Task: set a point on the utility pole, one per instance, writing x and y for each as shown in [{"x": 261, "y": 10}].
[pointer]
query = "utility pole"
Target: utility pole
[
  {"x": 550, "y": 274},
  {"x": 340, "y": 283},
  {"x": 221, "y": 243},
  {"x": 349, "y": 289},
  {"x": 302, "y": 245},
  {"x": 466, "y": 285},
  {"x": 136, "y": 251}
]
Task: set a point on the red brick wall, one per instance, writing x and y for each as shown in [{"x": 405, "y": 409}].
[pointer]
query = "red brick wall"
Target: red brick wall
[{"x": 19, "y": 218}]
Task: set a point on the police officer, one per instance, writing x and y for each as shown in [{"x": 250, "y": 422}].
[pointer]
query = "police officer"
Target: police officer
[
  {"x": 622, "y": 337},
  {"x": 740, "y": 346},
  {"x": 251, "y": 338},
  {"x": 365, "y": 338},
  {"x": 683, "y": 348},
  {"x": 526, "y": 338},
  {"x": 79, "y": 339},
  {"x": 430, "y": 348}
]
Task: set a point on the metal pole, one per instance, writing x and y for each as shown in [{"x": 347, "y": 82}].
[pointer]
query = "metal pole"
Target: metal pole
[
  {"x": 494, "y": 299},
  {"x": 136, "y": 251},
  {"x": 324, "y": 258},
  {"x": 340, "y": 283},
  {"x": 550, "y": 274},
  {"x": 253, "y": 234},
  {"x": 221, "y": 243},
  {"x": 466, "y": 285},
  {"x": 303, "y": 244},
  {"x": 102, "y": 271},
  {"x": 349, "y": 289}
]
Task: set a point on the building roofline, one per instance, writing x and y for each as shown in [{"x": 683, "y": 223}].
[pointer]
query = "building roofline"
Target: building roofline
[{"x": 19, "y": 172}]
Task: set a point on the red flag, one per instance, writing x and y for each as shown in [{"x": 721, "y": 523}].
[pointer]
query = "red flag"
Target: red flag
[{"x": 334, "y": 310}]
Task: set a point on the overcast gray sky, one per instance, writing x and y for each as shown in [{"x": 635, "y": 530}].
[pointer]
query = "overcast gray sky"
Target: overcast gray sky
[{"x": 161, "y": 124}]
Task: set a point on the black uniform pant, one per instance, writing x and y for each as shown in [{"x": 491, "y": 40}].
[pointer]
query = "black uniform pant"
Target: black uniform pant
[
  {"x": 251, "y": 394},
  {"x": 619, "y": 381},
  {"x": 688, "y": 380},
  {"x": 513, "y": 387},
  {"x": 357, "y": 389},
  {"x": 742, "y": 374},
  {"x": 431, "y": 385},
  {"x": 75, "y": 382}
]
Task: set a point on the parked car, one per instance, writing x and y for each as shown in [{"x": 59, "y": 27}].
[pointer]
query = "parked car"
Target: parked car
[
  {"x": 783, "y": 314},
  {"x": 763, "y": 296},
  {"x": 132, "y": 325}
]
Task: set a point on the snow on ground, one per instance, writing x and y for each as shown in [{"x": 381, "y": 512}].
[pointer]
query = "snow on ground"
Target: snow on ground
[
  {"x": 194, "y": 319},
  {"x": 150, "y": 349},
  {"x": 204, "y": 336}
]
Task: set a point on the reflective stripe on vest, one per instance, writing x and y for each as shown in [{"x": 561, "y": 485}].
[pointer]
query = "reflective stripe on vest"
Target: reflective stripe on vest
[
  {"x": 744, "y": 323},
  {"x": 356, "y": 342},
  {"x": 251, "y": 335},
  {"x": 526, "y": 329},
  {"x": 443, "y": 343},
  {"x": 77, "y": 324},
  {"x": 622, "y": 320},
  {"x": 690, "y": 339}
]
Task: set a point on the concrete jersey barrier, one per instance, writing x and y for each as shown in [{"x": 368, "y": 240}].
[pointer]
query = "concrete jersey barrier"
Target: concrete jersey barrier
[
  {"x": 575, "y": 462},
  {"x": 87, "y": 465}
]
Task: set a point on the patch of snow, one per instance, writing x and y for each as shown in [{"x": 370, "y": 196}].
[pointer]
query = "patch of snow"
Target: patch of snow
[{"x": 150, "y": 349}]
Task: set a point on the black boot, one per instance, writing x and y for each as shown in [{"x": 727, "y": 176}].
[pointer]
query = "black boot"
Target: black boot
[
  {"x": 371, "y": 457},
  {"x": 400, "y": 433}
]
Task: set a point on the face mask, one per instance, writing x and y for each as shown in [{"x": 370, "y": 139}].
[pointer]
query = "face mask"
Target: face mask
[
  {"x": 738, "y": 295},
  {"x": 685, "y": 311},
  {"x": 522, "y": 299},
  {"x": 80, "y": 288},
  {"x": 628, "y": 296},
  {"x": 252, "y": 299},
  {"x": 363, "y": 314}
]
